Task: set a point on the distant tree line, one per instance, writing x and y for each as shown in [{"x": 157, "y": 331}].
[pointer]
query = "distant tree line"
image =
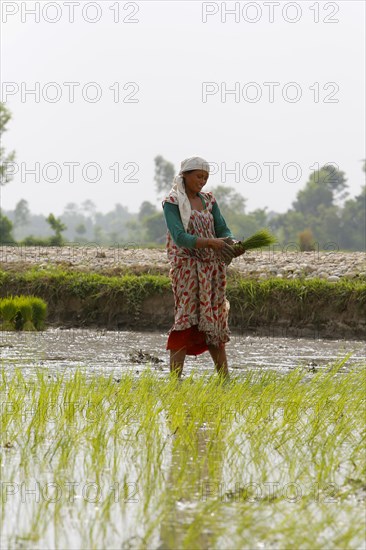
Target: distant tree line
[{"x": 321, "y": 216}]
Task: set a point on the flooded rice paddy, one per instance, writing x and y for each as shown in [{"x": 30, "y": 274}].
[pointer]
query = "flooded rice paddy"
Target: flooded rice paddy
[
  {"x": 115, "y": 351},
  {"x": 101, "y": 448}
]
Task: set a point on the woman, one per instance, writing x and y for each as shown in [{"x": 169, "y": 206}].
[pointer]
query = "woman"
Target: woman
[{"x": 196, "y": 250}]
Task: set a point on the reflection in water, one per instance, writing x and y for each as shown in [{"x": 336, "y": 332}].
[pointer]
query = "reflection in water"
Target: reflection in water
[{"x": 195, "y": 473}]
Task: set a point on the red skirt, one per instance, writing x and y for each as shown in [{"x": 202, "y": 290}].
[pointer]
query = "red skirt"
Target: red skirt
[{"x": 191, "y": 338}]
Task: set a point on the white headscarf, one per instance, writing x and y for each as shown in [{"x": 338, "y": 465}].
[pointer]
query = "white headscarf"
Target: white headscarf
[{"x": 178, "y": 190}]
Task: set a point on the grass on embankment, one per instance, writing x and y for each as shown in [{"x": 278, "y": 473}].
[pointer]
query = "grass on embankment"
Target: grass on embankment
[
  {"x": 146, "y": 301},
  {"x": 336, "y": 309}
]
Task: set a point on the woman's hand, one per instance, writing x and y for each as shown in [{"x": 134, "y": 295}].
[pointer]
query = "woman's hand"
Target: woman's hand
[
  {"x": 230, "y": 241},
  {"x": 222, "y": 248}
]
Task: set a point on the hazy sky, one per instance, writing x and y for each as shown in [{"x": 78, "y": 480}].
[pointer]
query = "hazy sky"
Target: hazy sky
[{"x": 172, "y": 63}]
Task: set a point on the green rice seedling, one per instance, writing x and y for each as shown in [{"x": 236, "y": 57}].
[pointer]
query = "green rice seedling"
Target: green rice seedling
[
  {"x": 23, "y": 305},
  {"x": 260, "y": 239},
  {"x": 7, "y": 313},
  {"x": 190, "y": 464},
  {"x": 39, "y": 311},
  {"x": 23, "y": 313}
]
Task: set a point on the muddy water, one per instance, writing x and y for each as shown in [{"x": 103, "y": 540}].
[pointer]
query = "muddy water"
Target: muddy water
[{"x": 114, "y": 352}]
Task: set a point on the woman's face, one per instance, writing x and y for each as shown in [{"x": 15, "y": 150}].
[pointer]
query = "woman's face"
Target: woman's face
[{"x": 194, "y": 180}]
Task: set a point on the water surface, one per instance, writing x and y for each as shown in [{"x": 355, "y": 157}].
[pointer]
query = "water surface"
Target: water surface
[{"x": 114, "y": 351}]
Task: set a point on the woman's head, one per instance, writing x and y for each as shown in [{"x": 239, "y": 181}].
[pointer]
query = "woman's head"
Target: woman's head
[
  {"x": 194, "y": 163},
  {"x": 194, "y": 180},
  {"x": 195, "y": 172}
]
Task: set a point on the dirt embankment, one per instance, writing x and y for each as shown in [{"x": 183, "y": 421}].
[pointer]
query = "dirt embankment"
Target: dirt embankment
[
  {"x": 317, "y": 295},
  {"x": 260, "y": 264}
]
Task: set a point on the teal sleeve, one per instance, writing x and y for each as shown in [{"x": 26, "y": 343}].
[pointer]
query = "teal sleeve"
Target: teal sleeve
[
  {"x": 221, "y": 229},
  {"x": 176, "y": 228}
]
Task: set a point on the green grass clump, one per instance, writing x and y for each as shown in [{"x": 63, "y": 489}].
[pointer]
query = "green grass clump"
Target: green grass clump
[
  {"x": 155, "y": 462},
  {"x": 22, "y": 313}
]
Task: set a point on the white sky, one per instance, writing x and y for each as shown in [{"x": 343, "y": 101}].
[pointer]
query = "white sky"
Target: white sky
[{"x": 169, "y": 53}]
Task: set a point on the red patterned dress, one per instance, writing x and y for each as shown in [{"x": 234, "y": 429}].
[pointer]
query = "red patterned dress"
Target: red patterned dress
[{"x": 198, "y": 278}]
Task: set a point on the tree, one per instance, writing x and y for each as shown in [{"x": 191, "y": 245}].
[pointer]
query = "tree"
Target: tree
[
  {"x": 317, "y": 208},
  {"x": 155, "y": 227},
  {"x": 71, "y": 209},
  {"x": 80, "y": 229},
  {"x": 135, "y": 231},
  {"x": 5, "y": 224},
  {"x": 5, "y": 177},
  {"x": 121, "y": 211},
  {"x": 21, "y": 213},
  {"x": 99, "y": 234},
  {"x": 146, "y": 209},
  {"x": 288, "y": 225},
  {"x": 57, "y": 226},
  {"x": 244, "y": 225},
  {"x": 6, "y": 227},
  {"x": 325, "y": 187},
  {"x": 353, "y": 220},
  {"x": 229, "y": 201},
  {"x": 164, "y": 174},
  {"x": 90, "y": 208}
]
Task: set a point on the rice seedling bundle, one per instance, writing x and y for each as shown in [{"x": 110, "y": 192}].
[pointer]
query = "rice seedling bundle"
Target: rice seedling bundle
[
  {"x": 260, "y": 239},
  {"x": 22, "y": 313}
]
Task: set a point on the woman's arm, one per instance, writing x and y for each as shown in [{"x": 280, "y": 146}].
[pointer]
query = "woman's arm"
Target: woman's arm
[{"x": 176, "y": 228}]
